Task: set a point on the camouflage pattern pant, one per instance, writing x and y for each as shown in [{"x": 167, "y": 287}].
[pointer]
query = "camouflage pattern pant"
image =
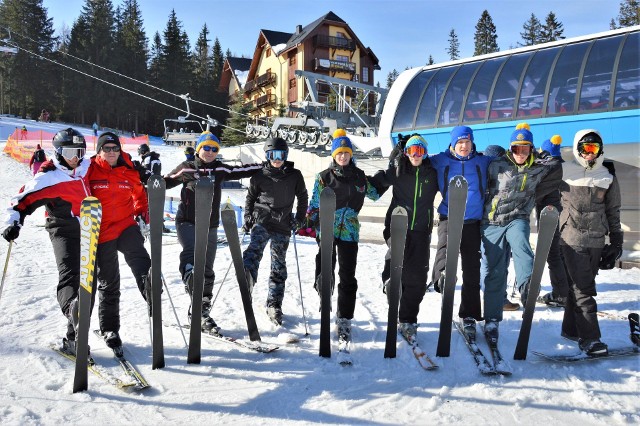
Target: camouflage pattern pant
[{"x": 253, "y": 254}]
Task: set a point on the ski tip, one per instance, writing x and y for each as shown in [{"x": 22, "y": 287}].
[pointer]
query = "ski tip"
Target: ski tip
[{"x": 399, "y": 211}]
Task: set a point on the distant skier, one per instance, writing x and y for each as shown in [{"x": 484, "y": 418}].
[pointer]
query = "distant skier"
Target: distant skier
[
  {"x": 37, "y": 159},
  {"x": 268, "y": 216},
  {"x": 186, "y": 174},
  {"x": 351, "y": 186},
  {"x": 190, "y": 153},
  {"x": 415, "y": 186},
  {"x": 59, "y": 187},
  {"x": 590, "y": 211},
  {"x": 24, "y": 133},
  {"x": 95, "y": 129},
  {"x": 150, "y": 161}
]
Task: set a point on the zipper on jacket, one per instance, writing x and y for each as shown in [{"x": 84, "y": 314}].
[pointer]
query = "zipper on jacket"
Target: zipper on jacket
[{"x": 415, "y": 198}]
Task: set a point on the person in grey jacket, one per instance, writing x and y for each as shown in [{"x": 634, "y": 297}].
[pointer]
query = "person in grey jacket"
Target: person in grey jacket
[
  {"x": 590, "y": 196},
  {"x": 516, "y": 182}
]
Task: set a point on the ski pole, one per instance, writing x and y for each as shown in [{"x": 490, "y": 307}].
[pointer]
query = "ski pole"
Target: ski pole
[
  {"x": 6, "y": 264},
  {"x": 186, "y": 345},
  {"x": 304, "y": 318},
  {"x": 225, "y": 276}
]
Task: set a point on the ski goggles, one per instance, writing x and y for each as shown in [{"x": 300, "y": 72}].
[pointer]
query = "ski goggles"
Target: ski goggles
[
  {"x": 209, "y": 148},
  {"x": 521, "y": 149},
  {"x": 114, "y": 148},
  {"x": 71, "y": 153},
  {"x": 276, "y": 155},
  {"x": 589, "y": 148},
  {"x": 415, "y": 151}
]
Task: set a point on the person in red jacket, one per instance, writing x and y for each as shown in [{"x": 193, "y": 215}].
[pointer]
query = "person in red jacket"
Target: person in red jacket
[{"x": 116, "y": 183}]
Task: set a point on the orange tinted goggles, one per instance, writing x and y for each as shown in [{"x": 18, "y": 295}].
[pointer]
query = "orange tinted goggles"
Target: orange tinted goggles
[
  {"x": 589, "y": 148},
  {"x": 415, "y": 151},
  {"x": 521, "y": 149}
]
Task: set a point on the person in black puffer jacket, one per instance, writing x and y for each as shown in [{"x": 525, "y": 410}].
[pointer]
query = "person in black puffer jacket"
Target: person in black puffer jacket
[
  {"x": 415, "y": 185},
  {"x": 268, "y": 216}
]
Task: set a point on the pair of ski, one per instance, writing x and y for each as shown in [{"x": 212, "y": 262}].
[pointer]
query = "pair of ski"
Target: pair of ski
[
  {"x": 634, "y": 350},
  {"x": 204, "y": 191},
  {"x": 499, "y": 366},
  {"x": 136, "y": 380},
  {"x": 457, "y": 197}
]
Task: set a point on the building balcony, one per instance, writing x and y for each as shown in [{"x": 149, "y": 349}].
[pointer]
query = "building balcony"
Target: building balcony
[
  {"x": 335, "y": 66},
  {"x": 334, "y": 42},
  {"x": 266, "y": 79},
  {"x": 250, "y": 86},
  {"x": 266, "y": 101}
]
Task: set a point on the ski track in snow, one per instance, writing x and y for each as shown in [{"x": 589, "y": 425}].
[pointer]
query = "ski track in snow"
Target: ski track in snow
[{"x": 294, "y": 385}]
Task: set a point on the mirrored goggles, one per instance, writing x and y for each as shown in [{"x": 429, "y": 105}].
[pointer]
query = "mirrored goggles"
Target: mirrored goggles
[
  {"x": 114, "y": 148},
  {"x": 415, "y": 151},
  {"x": 209, "y": 148},
  {"x": 589, "y": 148},
  {"x": 521, "y": 149},
  {"x": 71, "y": 153},
  {"x": 277, "y": 154}
]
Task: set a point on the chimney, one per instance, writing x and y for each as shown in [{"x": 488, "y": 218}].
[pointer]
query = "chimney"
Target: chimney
[{"x": 298, "y": 29}]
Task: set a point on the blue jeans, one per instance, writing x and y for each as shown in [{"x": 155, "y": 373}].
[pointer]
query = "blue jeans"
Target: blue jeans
[{"x": 496, "y": 240}]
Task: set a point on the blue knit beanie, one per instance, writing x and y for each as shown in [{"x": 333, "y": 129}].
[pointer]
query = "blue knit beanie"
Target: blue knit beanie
[
  {"x": 341, "y": 143},
  {"x": 207, "y": 138},
  {"x": 552, "y": 145},
  {"x": 494, "y": 151},
  {"x": 460, "y": 132},
  {"x": 417, "y": 140},
  {"x": 522, "y": 135}
]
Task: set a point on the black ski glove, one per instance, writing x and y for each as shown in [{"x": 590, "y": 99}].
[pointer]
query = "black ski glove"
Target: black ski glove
[
  {"x": 248, "y": 224},
  {"x": 611, "y": 252},
  {"x": 12, "y": 231}
]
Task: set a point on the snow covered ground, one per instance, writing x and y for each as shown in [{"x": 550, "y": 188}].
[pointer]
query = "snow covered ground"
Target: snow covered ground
[{"x": 294, "y": 385}]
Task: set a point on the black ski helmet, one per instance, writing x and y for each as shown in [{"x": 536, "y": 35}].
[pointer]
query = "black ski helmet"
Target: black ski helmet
[
  {"x": 143, "y": 149},
  {"x": 275, "y": 143},
  {"x": 69, "y": 138}
]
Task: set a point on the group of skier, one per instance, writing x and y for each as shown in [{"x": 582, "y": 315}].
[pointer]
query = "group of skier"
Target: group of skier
[{"x": 502, "y": 192}]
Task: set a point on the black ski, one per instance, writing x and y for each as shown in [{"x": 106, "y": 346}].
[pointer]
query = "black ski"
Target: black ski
[
  {"x": 634, "y": 325},
  {"x": 546, "y": 229},
  {"x": 399, "y": 221},
  {"x": 90, "y": 218},
  {"x": 327, "y": 219},
  {"x": 228, "y": 216},
  {"x": 96, "y": 369},
  {"x": 484, "y": 366},
  {"x": 129, "y": 369},
  {"x": 203, "y": 205},
  {"x": 156, "y": 189},
  {"x": 457, "y": 194},
  {"x": 613, "y": 353}
]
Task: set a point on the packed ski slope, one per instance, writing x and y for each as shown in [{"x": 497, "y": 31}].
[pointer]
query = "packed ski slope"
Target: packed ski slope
[{"x": 294, "y": 385}]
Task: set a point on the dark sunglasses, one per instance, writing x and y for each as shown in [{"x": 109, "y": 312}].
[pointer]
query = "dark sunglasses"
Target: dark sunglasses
[
  {"x": 110, "y": 148},
  {"x": 210, "y": 148}
]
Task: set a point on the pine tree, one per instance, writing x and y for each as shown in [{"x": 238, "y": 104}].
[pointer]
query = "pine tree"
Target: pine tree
[
  {"x": 218, "y": 63},
  {"x": 202, "y": 67},
  {"x": 391, "y": 77},
  {"x": 629, "y": 14},
  {"x": 454, "y": 45},
  {"x": 552, "y": 29},
  {"x": 430, "y": 61},
  {"x": 532, "y": 30},
  {"x": 29, "y": 82},
  {"x": 612, "y": 24},
  {"x": 234, "y": 133},
  {"x": 485, "y": 38}
]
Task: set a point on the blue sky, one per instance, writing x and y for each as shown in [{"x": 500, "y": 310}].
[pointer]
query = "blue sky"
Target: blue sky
[{"x": 402, "y": 33}]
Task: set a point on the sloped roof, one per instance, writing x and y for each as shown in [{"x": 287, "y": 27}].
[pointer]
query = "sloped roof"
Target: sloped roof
[
  {"x": 276, "y": 37},
  {"x": 298, "y": 37},
  {"x": 239, "y": 64}
]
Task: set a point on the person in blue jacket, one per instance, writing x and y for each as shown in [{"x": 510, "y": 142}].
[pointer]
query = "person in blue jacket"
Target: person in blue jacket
[{"x": 462, "y": 159}]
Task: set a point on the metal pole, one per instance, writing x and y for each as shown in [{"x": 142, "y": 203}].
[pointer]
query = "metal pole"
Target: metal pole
[
  {"x": 186, "y": 345},
  {"x": 304, "y": 318},
  {"x": 6, "y": 264}
]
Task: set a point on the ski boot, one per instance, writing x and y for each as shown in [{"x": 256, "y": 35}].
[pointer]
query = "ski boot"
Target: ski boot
[
  {"x": 207, "y": 323},
  {"x": 491, "y": 332},
  {"x": 552, "y": 300},
  {"x": 469, "y": 328},
  {"x": 593, "y": 347},
  {"x": 344, "y": 329},
  {"x": 408, "y": 331},
  {"x": 274, "y": 312}
]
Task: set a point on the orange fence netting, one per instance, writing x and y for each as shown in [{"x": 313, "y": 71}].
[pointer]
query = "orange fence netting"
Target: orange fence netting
[{"x": 21, "y": 144}]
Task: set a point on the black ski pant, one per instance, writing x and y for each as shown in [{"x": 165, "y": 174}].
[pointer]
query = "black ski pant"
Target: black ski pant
[
  {"x": 580, "y": 312},
  {"x": 470, "y": 256},
  {"x": 347, "y": 255},
  {"x": 415, "y": 271},
  {"x": 557, "y": 272},
  {"x": 67, "y": 253},
  {"x": 187, "y": 239},
  {"x": 131, "y": 244}
]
